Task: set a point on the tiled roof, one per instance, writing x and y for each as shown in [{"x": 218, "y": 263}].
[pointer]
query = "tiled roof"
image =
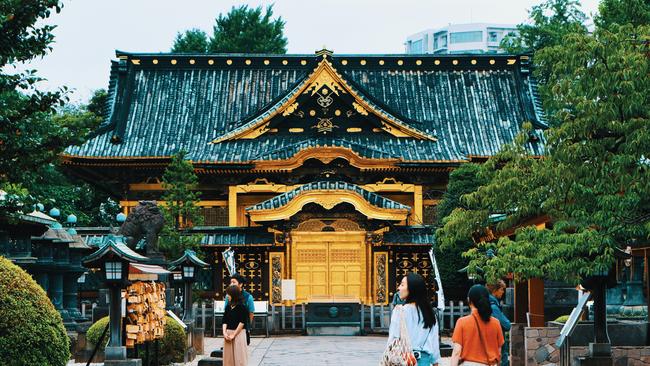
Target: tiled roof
[
  {"x": 284, "y": 198},
  {"x": 234, "y": 235},
  {"x": 162, "y": 103},
  {"x": 424, "y": 235}
]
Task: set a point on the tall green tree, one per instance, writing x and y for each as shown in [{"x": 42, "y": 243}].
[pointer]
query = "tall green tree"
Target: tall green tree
[
  {"x": 463, "y": 180},
  {"x": 592, "y": 183},
  {"x": 622, "y": 12},
  {"x": 191, "y": 41},
  {"x": 32, "y": 134},
  {"x": 249, "y": 30},
  {"x": 180, "y": 210},
  {"x": 550, "y": 23}
]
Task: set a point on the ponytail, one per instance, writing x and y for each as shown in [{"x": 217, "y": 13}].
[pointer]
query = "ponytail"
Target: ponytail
[{"x": 479, "y": 297}]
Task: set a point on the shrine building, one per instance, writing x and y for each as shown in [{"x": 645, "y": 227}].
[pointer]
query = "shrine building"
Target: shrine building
[{"x": 322, "y": 168}]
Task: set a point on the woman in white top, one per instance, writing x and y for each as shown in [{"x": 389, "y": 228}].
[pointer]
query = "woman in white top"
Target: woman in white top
[{"x": 420, "y": 320}]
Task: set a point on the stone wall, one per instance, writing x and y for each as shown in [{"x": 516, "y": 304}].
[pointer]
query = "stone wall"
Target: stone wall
[{"x": 539, "y": 344}]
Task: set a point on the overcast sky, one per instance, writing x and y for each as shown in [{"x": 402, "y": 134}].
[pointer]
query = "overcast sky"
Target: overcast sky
[{"x": 89, "y": 31}]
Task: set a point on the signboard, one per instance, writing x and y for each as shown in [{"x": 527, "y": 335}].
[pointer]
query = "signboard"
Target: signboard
[
  {"x": 229, "y": 260},
  {"x": 288, "y": 290},
  {"x": 571, "y": 323}
]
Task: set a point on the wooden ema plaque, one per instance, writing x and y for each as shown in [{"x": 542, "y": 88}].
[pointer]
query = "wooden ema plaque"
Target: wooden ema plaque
[{"x": 145, "y": 312}]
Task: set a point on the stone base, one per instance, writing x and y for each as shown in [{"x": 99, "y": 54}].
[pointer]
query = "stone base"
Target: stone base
[
  {"x": 334, "y": 331},
  {"x": 127, "y": 362},
  {"x": 115, "y": 353},
  {"x": 211, "y": 361}
]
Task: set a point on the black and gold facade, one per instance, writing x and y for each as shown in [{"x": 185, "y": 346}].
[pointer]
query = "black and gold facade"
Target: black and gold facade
[{"x": 325, "y": 169}]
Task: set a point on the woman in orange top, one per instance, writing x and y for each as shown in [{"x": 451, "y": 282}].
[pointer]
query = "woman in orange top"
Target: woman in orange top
[{"x": 477, "y": 337}]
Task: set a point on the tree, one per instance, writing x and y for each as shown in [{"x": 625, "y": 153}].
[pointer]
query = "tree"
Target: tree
[
  {"x": 463, "y": 180},
  {"x": 180, "y": 210},
  {"x": 248, "y": 31},
  {"x": 192, "y": 41},
  {"x": 622, "y": 12},
  {"x": 32, "y": 134},
  {"x": 592, "y": 183},
  {"x": 97, "y": 103},
  {"x": 552, "y": 22}
]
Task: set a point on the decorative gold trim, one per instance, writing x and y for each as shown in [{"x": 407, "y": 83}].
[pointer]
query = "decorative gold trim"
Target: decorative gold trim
[
  {"x": 325, "y": 75},
  {"x": 135, "y": 61},
  {"x": 325, "y": 155},
  {"x": 353, "y": 129},
  {"x": 512, "y": 61},
  {"x": 296, "y": 130},
  {"x": 276, "y": 274},
  {"x": 357, "y": 107},
  {"x": 327, "y": 199},
  {"x": 380, "y": 284}
]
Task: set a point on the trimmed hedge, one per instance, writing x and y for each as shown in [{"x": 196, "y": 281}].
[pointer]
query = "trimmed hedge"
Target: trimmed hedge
[
  {"x": 31, "y": 330},
  {"x": 562, "y": 318},
  {"x": 171, "y": 347},
  {"x": 95, "y": 331}
]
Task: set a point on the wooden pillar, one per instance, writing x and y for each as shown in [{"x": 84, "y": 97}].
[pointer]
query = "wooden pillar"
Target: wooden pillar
[
  {"x": 418, "y": 205},
  {"x": 536, "y": 302},
  {"x": 232, "y": 206},
  {"x": 521, "y": 302}
]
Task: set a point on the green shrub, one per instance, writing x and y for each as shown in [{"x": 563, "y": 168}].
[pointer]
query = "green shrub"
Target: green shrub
[
  {"x": 31, "y": 330},
  {"x": 171, "y": 348},
  {"x": 562, "y": 319},
  {"x": 95, "y": 331}
]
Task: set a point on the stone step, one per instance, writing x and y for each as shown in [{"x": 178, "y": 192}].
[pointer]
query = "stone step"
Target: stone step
[{"x": 211, "y": 361}]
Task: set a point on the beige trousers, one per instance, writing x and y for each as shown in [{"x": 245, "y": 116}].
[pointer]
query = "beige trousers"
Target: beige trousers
[{"x": 235, "y": 352}]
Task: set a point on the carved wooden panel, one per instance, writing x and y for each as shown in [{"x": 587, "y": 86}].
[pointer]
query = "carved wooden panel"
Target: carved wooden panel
[
  {"x": 312, "y": 256},
  {"x": 251, "y": 263},
  {"x": 277, "y": 273},
  {"x": 407, "y": 261},
  {"x": 381, "y": 278},
  {"x": 345, "y": 255}
]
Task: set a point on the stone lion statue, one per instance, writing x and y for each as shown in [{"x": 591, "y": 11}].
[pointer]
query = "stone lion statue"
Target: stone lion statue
[{"x": 144, "y": 221}]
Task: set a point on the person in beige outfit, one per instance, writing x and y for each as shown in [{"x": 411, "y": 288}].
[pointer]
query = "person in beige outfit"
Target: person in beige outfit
[{"x": 235, "y": 352}]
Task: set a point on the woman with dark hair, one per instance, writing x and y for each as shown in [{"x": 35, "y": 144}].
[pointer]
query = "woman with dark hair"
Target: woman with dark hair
[
  {"x": 420, "y": 320},
  {"x": 477, "y": 337},
  {"x": 235, "y": 317}
]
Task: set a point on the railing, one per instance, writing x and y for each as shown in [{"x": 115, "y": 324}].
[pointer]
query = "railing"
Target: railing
[{"x": 291, "y": 318}]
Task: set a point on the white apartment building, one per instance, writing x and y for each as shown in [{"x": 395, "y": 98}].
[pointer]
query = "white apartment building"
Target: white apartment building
[{"x": 459, "y": 38}]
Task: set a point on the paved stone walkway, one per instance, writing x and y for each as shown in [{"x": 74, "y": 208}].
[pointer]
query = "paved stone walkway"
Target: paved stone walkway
[{"x": 303, "y": 350}]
